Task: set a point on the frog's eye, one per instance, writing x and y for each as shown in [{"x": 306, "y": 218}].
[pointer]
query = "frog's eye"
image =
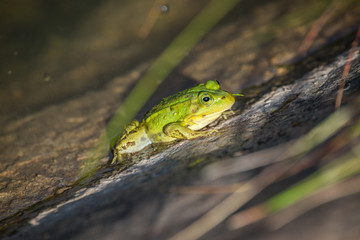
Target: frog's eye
[{"x": 206, "y": 99}]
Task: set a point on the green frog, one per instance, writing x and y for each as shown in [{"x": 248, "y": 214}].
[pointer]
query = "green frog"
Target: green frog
[{"x": 180, "y": 116}]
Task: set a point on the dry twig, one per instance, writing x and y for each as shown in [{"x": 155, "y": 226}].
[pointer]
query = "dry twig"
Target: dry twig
[{"x": 347, "y": 69}]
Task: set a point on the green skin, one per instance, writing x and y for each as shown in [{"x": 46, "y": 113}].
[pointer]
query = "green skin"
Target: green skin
[{"x": 179, "y": 116}]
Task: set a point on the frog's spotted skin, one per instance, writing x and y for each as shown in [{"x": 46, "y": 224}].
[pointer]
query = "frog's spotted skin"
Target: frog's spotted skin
[{"x": 179, "y": 116}]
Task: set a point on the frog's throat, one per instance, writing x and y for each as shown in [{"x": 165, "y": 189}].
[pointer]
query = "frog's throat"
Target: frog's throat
[{"x": 197, "y": 122}]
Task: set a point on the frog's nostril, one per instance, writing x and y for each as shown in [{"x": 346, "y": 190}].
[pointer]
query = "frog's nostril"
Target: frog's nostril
[{"x": 223, "y": 97}]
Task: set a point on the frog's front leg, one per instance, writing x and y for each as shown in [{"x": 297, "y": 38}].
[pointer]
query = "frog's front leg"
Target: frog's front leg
[{"x": 180, "y": 131}]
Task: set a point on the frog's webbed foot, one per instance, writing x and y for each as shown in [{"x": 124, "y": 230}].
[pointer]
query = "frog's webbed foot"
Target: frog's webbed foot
[
  {"x": 227, "y": 114},
  {"x": 116, "y": 159},
  {"x": 214, "y": 132},
  {"x": 179, "y": 131},
  {"x": 118, "y": 156}
]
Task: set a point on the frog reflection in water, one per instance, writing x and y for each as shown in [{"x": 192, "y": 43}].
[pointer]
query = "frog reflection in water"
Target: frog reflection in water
[{"x": 179, "y": 116}]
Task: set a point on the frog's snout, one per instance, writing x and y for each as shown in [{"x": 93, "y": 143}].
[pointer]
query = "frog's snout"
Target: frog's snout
[{"x": 228, "y": 98}]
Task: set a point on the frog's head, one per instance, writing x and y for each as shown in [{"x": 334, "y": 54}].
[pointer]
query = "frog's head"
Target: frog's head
[
  {"x": 212, "y": 99},
  {"x": 210, "y": 103}
]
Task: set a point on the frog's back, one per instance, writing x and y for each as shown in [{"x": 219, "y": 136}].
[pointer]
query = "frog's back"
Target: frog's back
[{"x": 171, "y": 102}]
